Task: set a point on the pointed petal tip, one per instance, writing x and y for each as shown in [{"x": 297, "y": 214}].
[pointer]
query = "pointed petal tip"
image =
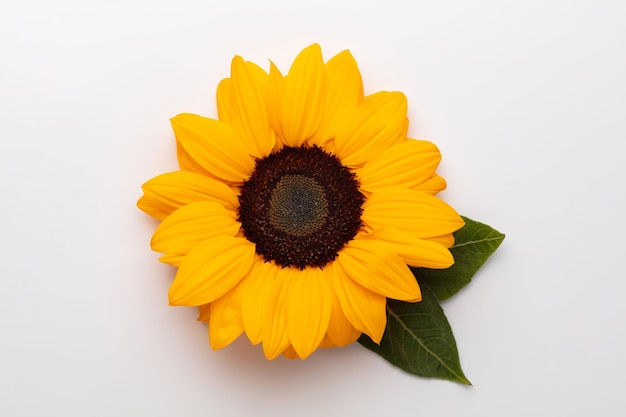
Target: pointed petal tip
[
  {"x": 314, "y": 47},
  {"x": 417, "y": 299},
  {"x": 270, "y": 355},
  {"x": 174, "y": 297},
  {"x": 142, "y": 204},
  {"x": 376, "y": 338},
  {"x": 179, "y": 117}
]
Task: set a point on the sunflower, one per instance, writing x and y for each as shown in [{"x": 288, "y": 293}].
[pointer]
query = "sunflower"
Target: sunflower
[{"x": 294, "y": 215}]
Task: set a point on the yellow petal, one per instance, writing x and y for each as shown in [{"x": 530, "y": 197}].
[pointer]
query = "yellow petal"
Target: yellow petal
[
  {"x": 327, "y": 342},
  {"x": 225, "y": 324},
  {"x": 168, "y": 192},
  {"x": 445, "y": 240},
  {"x": 416, "y": 212},
  {"x": 204, "y": 312},
  {"x": 274, "y": 102},
  {"x": 406, "y": 164},
  {"x": 329, "y": 146},
  {"x": 378, "y": 122},
  {"x": 374, "y": 265},
  {"x": 172, "y": 259},
  {"x": 187, "y": 163},
  {"x": 340, "y": 331},
  {"x": 414, "y": 251},
  {"x": 290, "y": 353},
  {"x": 274, "y": 315},
  {"x": 432, "y": 185},
  {"x": 365, "y": 309},
  {"x": 308, "y": 310},
  {"x": 214, "y": 146},
  {"x": 302, "y": 105},
  {"x": 344, "y": 90},
  {"x": 191, "y": 225},
  {"x": 249, "y": 115},
  {"x": 211, "y": 270},
  {"x": 224, "y": 102},
  {"x": 255, "y": 298}
]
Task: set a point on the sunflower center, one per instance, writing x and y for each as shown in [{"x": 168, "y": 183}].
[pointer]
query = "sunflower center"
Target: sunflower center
[{"x": 300, "y": 206}]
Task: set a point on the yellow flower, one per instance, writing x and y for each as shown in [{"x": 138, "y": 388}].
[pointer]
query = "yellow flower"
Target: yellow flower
[{"x": 295, "y": 214}]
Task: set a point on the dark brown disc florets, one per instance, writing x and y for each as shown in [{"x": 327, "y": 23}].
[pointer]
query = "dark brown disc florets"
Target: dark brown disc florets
[{"x": 300, "y": 206}]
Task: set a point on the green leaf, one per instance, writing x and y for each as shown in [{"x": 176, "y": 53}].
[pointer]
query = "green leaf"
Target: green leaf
[
  {"x": 473, "y": 244},
  {"x": 419, "y": 340}
]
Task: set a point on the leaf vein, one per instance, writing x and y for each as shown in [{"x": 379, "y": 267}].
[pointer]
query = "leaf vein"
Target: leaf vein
[
  {"x": 473, "y": 242},
  {"x": 419, "y": 341}
]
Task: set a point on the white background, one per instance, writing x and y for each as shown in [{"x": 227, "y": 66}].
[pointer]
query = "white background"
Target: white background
[{"x": 526, "y": 99}]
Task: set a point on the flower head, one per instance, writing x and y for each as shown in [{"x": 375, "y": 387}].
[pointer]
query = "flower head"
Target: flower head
[{"x": 295, "y": 214}]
